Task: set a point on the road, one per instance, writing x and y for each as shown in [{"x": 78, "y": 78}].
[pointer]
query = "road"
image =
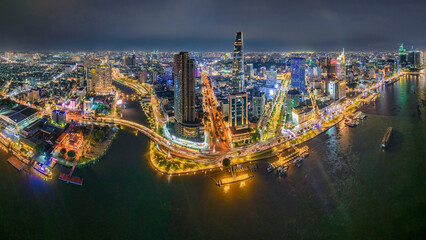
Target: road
[{"x": 220, "y": 136}]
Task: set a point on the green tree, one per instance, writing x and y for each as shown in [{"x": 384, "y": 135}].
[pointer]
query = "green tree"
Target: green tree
[
  {"x": 71, "y": 154},
  {"x": 63, "y": 151},
  {"x": 39, "y": 148},
  {"x": 226, "y": 162}
]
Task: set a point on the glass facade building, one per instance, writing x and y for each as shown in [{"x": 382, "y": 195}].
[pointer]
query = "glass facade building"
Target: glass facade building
[{"x": 298, "y": 74}]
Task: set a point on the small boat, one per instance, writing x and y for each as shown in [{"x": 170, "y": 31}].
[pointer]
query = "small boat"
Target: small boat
[
  {"x": 386, "y": 138},
  {"x": 351, "y": 124},
  {"x": 298, "y": 162},
  {"x": 41, "y": 168},
  {"x": 270, "y": 168},
  {"x": 282, "y": 171}
]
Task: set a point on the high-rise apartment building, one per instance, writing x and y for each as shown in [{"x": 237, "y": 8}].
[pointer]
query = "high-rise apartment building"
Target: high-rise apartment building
[
  {"x": 144, "y": 76},
  {"x": 186, "y": 123},
  {"x": 100, "y": 81}
]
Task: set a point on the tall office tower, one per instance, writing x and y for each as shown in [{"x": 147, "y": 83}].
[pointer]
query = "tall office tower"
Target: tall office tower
[
  {"x": 238, "y": 102},
  {"x": 238, "y": 65},
  {"x": 250, "y": 71},
  {"x": 262, "y": 72},
  {"x": 101, "y": 80},
  {"x": 341, "y": 65},
  {"x": 144, "y": 76},
  {"x": 402, "y": 56},
  {"x": 133, "y": 60},
  {"x": 186, "y": 124},
  {"x": 414, "y": 58},
  {"x": 271, "y": 78},
  {"x": 423, "y": 58},
  {"x": 257, "y": 104},
  {"x": 298, "y": 74},
  {"x": 154, "y": 77},
  {"x": 80, "y": 75}
]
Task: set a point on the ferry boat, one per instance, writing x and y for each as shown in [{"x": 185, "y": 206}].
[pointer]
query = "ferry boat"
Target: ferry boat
[
  {"x": 387, "y": 137},
  {"x": 41, "y": 168}
]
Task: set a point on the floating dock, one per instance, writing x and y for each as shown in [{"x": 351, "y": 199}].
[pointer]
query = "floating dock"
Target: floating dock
[
  {"x": 71, "y": 179},
  {"x": 234, "y": 179},
  {"x": 16, "y": 163}
]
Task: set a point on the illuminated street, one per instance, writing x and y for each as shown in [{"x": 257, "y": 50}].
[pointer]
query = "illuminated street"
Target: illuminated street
[{"x": 212, "y": 119}]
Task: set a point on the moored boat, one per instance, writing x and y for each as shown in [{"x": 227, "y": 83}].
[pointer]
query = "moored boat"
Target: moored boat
[{"x": 386, "y": 138}]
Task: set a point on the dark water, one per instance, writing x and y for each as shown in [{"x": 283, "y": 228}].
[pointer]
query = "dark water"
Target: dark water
[{"x": 348, "y": 188}]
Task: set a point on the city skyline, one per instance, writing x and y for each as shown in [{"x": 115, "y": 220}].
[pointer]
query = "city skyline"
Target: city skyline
[
  {"x": 269, "y": 26},
  {"x": 209, "y": 119}
]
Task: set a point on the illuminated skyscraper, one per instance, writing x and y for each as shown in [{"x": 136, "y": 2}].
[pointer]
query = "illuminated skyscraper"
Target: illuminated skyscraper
[
  {"x": 298, "y": 74},
  {"x": 144, "y": 76},
  {"x": 186, "y": 124},
  {"x": 402, "y": 56},
  {"x": 100, "y": 80},
  {"x": 238, "y": 65},
  {"x": 238, "y": 104},
  {"x": 341, "y": 66},
  {"x": 80, "y": 75},
  {"x": 250, "y": 71}
]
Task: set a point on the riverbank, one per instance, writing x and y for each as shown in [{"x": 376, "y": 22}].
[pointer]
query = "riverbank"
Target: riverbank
[
  {"x": 169, "y": 166},
  {"x": 98, "y": 150}
]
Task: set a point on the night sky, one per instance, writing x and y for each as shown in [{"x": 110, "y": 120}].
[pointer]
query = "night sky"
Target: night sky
[{"x": 210, "y": 25}]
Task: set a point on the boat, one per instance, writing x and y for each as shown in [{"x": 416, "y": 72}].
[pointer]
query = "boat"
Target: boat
[
  {"x": 298, "y": 162},
  {"x": 41, "y": 168},
  {"x": 282, "y": 171},
  {"x": 270, "y": 168},
  {"x": 386, "y": 138},
  {"x": 351, "y": 124}
]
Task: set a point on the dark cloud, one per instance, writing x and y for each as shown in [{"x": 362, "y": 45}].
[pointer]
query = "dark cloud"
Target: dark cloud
[{"x": 210, "y": 25}]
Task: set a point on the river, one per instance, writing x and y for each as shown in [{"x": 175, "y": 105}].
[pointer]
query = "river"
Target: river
[{"x": 348, "y": 188}]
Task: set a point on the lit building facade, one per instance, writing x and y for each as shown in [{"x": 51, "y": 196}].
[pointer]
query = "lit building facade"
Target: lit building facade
[
  {"x": 298, "y": 74},
  {"x": 238, "y": 65},
  {"x": 238, "y": 101},
  {"x": 101, "y": 80},
  {"x": 186, "y": 124}
]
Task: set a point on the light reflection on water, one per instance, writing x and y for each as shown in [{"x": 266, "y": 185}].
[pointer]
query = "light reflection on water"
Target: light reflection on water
[{"x": 348, "y": 187}]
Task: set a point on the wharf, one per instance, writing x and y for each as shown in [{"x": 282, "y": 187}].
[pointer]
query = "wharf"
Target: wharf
[
  {"x": 234, "y": 179},
  {"x": 16, "y": 163},
  {"x": 71, "y": 179},
  {"x": 297, "y": 153}
]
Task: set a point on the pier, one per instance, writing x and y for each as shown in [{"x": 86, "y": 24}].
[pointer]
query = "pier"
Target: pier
[
  {"x": 298, "y": 152},
  {"x": 16, "y": 163},
  {"x": 69, "y": 178},
  {"x": 239, "y": 178}
]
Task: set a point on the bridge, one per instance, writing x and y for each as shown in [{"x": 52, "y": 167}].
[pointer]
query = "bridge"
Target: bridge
[{"x": 176, "y": 149}]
